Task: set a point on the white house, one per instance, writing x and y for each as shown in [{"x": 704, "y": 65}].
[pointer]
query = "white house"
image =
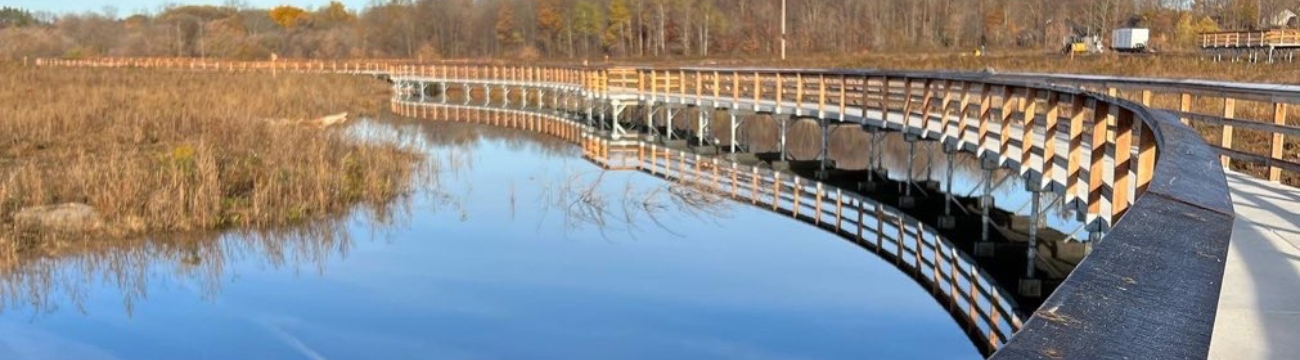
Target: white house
[{"x": 1284, "y": 18}]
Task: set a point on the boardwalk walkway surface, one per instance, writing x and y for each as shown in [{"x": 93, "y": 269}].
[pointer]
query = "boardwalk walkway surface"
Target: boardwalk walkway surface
[{"x": 1259, "y": 307}]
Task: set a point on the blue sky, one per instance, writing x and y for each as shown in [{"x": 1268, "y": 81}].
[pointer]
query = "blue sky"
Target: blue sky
[{"x": 135, "y": 6}]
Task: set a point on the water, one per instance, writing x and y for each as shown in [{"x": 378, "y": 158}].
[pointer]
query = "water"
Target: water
[{"x": 517, "y": 249}]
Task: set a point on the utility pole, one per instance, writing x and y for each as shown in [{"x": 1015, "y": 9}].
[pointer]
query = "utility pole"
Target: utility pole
[{"x": 782, "y": 29}]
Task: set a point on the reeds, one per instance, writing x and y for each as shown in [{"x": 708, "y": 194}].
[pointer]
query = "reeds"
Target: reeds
[{"x": 164, "y": 151}]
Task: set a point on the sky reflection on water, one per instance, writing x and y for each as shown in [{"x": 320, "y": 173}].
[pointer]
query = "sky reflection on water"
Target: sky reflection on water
[{"x": 481, "y": 271}]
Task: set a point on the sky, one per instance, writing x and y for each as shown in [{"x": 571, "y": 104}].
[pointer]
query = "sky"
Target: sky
[{"x": 125, "y": 7}]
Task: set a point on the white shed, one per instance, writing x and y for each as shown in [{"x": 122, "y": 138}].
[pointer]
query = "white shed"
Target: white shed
[
  {"x": 1130, "y": 39},
  {"x": 1284, "y": 18}
]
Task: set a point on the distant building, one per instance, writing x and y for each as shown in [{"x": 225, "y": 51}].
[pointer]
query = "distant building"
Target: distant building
[{"x": 1284, "y": 19}]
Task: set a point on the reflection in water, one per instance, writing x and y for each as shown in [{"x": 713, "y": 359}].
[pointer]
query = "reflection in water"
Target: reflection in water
[
  {"x": 197, "y": 261},
  {"x": 515, "y": 248},
  {"x": 573, "y": 196},
  {"x": 49, "y": 282}
]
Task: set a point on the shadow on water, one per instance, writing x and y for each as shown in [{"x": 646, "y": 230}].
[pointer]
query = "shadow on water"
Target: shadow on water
[{"x": 1060, "y": 238}]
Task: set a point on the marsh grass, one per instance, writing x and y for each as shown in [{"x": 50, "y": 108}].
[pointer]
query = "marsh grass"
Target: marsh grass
[{"x": 173, "y": 151}]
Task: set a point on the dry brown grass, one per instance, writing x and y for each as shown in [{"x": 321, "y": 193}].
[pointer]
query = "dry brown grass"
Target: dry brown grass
[{"x": 166, "y": 151}]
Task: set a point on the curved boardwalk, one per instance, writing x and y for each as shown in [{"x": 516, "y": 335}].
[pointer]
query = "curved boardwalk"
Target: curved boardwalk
[{"x": 1259, "y": 307}]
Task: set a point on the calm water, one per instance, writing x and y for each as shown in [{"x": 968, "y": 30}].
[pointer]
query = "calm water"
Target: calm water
[{"x": 517, "y": 249}]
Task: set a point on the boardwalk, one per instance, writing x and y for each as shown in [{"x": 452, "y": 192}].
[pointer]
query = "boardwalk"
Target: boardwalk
[
  {"x": 1148, "y": 288},
  {"x": 1259, "y": 308}
]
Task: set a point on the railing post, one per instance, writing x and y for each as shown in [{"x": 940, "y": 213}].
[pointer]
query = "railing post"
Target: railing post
[
  {"x": 1050, "y": 131},
  {"x": 927, "y": 95},
  {"x": 1074, "y": 160},
  {"x": 1008, "y": 114},
  {"x": 844, "y": 88},
  {"x": 735, "y": 90},
  {"x": 1029, "y": 121},
  {"x": 986, "y": 107},
  {"x": 798, "y": 97},
  {"x": 1097, "y": 170},
  {"x": 961, "y": 115},
  {"x": 821, "y": 96},
  {"x": 1279, "y": 141},
  {"x": 1124, "y": 128},
  {"x": 780, "y": 93},
  {"x": 1229, "y": 112},
  {"x": 907, "y": 103},
  {"x": 717, "y": 87}
]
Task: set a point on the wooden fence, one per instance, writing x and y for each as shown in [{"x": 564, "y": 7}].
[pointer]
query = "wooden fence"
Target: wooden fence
[{"x": 1278, "y": 38}]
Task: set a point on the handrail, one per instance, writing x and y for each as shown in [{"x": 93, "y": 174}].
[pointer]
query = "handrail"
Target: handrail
[
  {"x": 1250, "y": 39},
  {"x": 1273, "y": 100},
  {"x": 846, "y": 95}
]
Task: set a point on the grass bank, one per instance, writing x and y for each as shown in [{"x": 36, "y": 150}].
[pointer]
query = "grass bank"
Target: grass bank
[{"x": 165, "y": 151}]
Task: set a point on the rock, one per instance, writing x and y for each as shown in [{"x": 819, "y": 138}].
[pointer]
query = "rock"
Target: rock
[
  {"x": 69, "y": 217},
  {"x": 331, "y": 120},
  {"x": 320, "y": 122}
]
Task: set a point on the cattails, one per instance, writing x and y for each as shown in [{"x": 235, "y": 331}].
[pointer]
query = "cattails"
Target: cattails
[{"x": 173, "y": 151}]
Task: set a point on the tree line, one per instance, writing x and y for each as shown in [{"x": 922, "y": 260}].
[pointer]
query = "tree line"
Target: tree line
[{"x": 530, "y": 29}]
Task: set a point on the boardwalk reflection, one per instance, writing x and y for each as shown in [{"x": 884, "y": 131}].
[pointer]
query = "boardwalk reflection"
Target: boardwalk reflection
[
  {"x": 856, "y": 155},
  {"x": 975, "y": 299},
  {"x": 573, "y": 196}
]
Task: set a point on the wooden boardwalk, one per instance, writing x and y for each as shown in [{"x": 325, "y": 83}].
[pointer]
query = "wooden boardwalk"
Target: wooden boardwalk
[{"x": 1169, "y": 278}]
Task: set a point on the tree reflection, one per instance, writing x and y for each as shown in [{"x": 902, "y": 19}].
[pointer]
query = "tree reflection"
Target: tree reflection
[{"x": 589, "y": 200}]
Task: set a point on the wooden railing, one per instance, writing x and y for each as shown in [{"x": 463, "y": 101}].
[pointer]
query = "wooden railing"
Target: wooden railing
[
  {"x": 377, "y": 65},
  {"x": 952, "y": 277},
  {"x": 592, "y": 79},
  {"x": 1251, "y": 39},
  {"x": 1264, "y": 113},
  {"x": 1095, "y": 151}
]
